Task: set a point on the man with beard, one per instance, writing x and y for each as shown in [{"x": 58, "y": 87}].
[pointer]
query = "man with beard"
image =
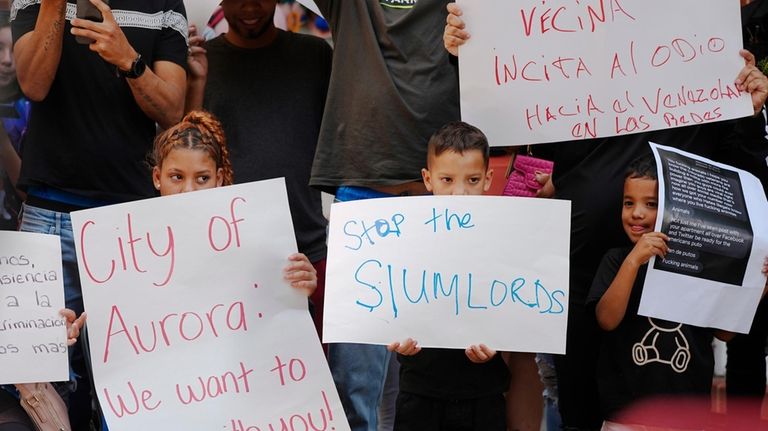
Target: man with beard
[{"x": 268, "y": 87}]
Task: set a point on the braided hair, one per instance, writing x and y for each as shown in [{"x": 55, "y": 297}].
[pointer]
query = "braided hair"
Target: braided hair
[{"x": 198, "y": 130}]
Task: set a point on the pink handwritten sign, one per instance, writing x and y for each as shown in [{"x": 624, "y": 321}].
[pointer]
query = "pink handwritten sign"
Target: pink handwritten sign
[
  {"x": 188, "y": 312},
  {"x": 556, "y": 70}
]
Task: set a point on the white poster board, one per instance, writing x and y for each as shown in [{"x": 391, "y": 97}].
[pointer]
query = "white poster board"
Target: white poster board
[
  {"x": 33, "y": 335},
  {"x": 716, "y": 217},
  {"x": 449, "y": 271},
  {"x": 535, "y": 72},
  {"x": 190, "y": 321}
]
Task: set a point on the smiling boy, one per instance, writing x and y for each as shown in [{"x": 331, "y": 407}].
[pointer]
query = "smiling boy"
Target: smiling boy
[{"x": 641, "y": 358}]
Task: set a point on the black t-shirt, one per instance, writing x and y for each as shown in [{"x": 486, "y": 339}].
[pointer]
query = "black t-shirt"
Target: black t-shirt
[
  {"x": 393, "y": 85},
  {"x": 590, "y": 174},
  {"x": 448, "y": 374},
  {"x": 88, "y": 136},
  {"x": 646, "y": 357},
  {"x": 270, "y": 102}
]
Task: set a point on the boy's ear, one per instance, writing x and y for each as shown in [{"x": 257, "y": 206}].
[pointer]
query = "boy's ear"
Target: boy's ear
[
  {"x": 219, "y": 177},
  {"x": 427, "y": 178},
  {"x": 156, "y": 177},
  {"x": 488, "y": 179}
]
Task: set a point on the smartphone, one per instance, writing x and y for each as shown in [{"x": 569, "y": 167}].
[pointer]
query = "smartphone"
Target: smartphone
[{"x": 86, "y": 10}]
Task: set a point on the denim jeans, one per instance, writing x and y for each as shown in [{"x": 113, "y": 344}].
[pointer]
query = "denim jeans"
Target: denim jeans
[
  {"x": 360, "y": 370},
  {"x": 55, "y": 223},
  {"x": 40, "y": 220}
]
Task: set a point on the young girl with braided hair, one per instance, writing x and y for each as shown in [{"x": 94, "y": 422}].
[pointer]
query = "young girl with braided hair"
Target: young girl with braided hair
[{"x": 193, "y": 155}]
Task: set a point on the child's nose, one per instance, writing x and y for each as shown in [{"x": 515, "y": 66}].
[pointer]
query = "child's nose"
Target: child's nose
[{"x": 189, "y": 186}]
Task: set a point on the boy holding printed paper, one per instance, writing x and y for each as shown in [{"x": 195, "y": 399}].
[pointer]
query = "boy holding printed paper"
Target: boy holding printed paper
[
  {"x": 448, "y": 388},
  {"x": 642, "y": 357}
]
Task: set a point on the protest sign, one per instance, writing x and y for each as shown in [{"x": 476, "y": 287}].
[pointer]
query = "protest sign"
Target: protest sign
[
  {"x": 535, "y": 72},
  {"x": 33, "y": 335},
  {"x": 188, "y": 312},
  {"x": 716, "y": 217},
  {"x": 449, "y": 271}
]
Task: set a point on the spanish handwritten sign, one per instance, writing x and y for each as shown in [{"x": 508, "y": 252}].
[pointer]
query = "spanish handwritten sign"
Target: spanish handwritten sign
[
  {"x": 716, "y": 217},
  {"x": 33, "y": 335},
  {"x": 538, "y": 71},
  {"x": 449, "y": 271},
  {"x": 188, "y": 312}
]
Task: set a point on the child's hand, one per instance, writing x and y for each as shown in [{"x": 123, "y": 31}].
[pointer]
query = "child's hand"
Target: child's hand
[
  {"x": 301, "y": 274},
  {"x": 765, "y": 266},
  {"x": 649, "y": 245},
  {"x": 480, "y": 354},
  {"x": 73, "y": 324},
  {"x": 408, "y": 347}
]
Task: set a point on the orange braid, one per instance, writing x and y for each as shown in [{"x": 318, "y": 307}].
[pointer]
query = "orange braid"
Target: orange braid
[{"x": 198, "y": 130}]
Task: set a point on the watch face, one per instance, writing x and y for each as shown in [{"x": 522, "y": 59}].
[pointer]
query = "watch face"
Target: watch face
[{"x": 138, "y": 67}]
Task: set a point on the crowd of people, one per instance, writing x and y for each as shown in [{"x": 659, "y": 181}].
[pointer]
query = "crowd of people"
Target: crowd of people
[{"x": 139, "y": 104}]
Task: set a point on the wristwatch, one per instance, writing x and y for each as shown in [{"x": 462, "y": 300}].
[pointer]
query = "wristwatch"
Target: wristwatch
[{"x": 137, "y": 69}]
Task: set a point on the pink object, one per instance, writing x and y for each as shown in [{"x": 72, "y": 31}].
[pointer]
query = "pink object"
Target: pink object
[{"x": 522, "y": 179}]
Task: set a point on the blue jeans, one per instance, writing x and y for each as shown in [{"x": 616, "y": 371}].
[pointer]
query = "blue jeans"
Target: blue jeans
[
  {"x": 359, "y": 370},
  {"x": 55, "y": 223},
  {"x": 50, "y": 222}
]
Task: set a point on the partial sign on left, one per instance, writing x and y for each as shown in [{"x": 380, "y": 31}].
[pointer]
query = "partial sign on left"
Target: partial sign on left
[{"x": 33, "y": 335}]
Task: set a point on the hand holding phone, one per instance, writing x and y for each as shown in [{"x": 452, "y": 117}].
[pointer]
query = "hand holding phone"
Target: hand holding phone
[{"x": 86, "y": 10}]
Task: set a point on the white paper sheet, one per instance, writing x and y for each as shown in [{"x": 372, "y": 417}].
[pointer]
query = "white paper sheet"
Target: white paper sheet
[
  {"x": 449, "y": 271},
  {"x": 190, "y": 321},
  {"x": 33, "y": 335},
  {"x": 535, "y": 72},
  {"x": 717, "y": 219}
]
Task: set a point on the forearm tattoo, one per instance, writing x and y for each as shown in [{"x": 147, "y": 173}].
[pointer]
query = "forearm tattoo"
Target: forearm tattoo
[{"x": 55, "y": 33}]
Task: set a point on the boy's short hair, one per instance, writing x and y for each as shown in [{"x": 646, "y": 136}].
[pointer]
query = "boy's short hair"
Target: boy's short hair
[
  {"x": 642, "y": 167},
  {"x": 458, "y": 136}
]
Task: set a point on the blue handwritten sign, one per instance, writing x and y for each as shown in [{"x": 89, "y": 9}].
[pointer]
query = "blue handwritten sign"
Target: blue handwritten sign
[{"x": 449, "y": 271}]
